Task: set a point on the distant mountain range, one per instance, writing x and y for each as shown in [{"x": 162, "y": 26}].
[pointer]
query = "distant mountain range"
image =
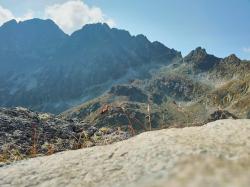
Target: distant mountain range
[
  {"x": 45, "y": 69},
  {"x": 105, "y": 77}
]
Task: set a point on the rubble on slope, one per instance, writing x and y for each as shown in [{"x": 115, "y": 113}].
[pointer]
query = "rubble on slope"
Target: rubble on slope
[{"x": 25, "y": 133}]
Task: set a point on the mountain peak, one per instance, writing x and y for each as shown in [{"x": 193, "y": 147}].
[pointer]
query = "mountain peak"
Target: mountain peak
[
  {"x": 33, "y": 36},
  {"x": 9, "y": 23},
  {"x": 196, "y": 55},
  {"x": 92, "y": 29},
  {"x": 37, "y": 20},
  {"x": 199, "y": 51},
  {"x": 141, "y": 36},
  {"x": 39, "y": 24},
  {"x": 30, "y": 21},
  {"x": 31, "y": 25},
  {"x": 201, "y": 59},
  {"x": 96, "y": 26},
  {"x": 232, "y": 59}
]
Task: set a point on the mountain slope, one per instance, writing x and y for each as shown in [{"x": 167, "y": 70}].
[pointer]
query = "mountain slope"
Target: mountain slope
[
  {"x": 183, "y": 93},
  {"x": 48, "y": 70},
  {"x": 25, "y": 45}
]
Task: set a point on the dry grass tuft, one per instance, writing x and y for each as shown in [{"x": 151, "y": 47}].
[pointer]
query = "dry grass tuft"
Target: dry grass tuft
[{"x": 33, "y": 149}]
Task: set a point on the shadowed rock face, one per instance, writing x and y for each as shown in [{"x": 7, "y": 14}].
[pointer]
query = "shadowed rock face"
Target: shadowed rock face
[{"x": 216, "y": 154}]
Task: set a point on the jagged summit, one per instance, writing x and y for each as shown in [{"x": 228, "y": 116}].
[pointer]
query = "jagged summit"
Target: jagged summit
[
  {"x": 91, "y": 32},
  {"x": 201, "y": 59},
  {"x": 232, "y": 59},
  {"x": 9, "y": 23},
  {"x": 196, "y": 55},
  {"x": 200, "y": 50},
  {"x": 28, "y": 42},
  {"x": 141, "y": 37},
  {"x": 96, "y": 26},
  {"x": 33, "y": 29},
  {"x": 35, "y": 23}
]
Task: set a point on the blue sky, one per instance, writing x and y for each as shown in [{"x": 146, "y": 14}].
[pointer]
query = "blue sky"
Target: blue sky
[{"x": 220, "y": 26}]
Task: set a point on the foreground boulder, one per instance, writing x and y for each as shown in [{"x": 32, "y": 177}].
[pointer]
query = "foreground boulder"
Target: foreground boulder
[{"x": 216, "y": 154}]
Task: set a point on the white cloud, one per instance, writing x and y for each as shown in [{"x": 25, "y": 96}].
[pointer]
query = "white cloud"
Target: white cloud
[
  {"x": 246, "y": 49},
  {"x": 26, "y": 16},
  {"x": 73, "y": 14},
  {"x": 6, "y": 15},
  {"x": 70, "y": 15}
]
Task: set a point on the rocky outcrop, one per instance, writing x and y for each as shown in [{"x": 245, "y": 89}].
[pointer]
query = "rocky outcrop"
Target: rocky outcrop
[
  {"x": 216, "y": 154},
  {"x": 25, "y": 133},
  {"x": 133, "y": 93},
  {"x": 233, "y": 59},
  {"x": 201, "y": 60},
  {"x": 177, "y": 87},
  {"x": 221, "y": 114}
]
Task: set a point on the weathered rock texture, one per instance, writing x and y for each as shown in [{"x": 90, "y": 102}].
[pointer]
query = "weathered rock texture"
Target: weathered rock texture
[
  {"x": 217, "y": 154},
  {"x": 24, "y": 133}
]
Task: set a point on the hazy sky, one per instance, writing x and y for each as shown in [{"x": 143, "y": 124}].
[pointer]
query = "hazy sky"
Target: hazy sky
[{"x": 220, "y": 26}]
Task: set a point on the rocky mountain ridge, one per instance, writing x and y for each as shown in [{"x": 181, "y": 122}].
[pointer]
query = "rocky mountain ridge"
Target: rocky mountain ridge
[
  {"x": 46, "y": 70},
  {"x": 187, "y": 92},
  {"x": 53, "y": 72}
]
